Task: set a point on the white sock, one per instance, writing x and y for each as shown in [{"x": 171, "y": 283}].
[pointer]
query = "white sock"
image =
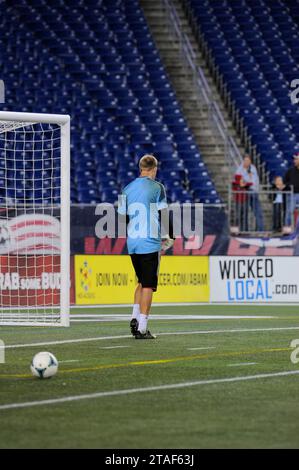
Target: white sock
[
  {"x": 136, "y": 312},
  {"x": 142, "y": 326}
]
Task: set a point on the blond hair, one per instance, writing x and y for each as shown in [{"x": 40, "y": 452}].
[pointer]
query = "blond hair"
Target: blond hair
[{"x": 148, "y": 162}]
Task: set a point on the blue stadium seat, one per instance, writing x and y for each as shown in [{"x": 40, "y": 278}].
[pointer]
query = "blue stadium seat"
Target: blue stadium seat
[
  {"x": 259, "y": 91},
  {"x": 103, "y": 68}
]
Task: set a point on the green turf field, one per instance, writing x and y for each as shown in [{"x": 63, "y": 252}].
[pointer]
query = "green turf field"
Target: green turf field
[{"x": 167, "y": 393}]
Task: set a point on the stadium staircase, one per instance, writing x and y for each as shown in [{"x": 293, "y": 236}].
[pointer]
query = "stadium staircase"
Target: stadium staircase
[{"x": 182, "y": 79}]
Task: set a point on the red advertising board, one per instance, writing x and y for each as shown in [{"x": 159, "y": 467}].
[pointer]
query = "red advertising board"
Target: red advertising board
[{"x": 31, "y": 280}]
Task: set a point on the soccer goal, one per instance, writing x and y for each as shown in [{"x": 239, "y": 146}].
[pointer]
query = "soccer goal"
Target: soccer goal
[{"x": 34, "y": 219}]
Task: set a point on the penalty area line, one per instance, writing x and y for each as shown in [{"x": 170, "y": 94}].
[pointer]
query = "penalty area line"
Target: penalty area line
[{"x": 181, "y": 385}]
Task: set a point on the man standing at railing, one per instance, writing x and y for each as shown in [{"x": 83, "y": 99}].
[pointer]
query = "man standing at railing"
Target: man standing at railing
[{"x": 250, "y": 175}]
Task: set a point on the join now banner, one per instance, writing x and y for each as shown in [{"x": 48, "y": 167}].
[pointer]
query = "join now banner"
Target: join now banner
[{"x": 111, "y": 279}]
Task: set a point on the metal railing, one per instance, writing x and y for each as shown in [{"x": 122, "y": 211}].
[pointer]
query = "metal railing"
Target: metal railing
[
  {"x": 188, "y": 55},
  {"x": 206, "y": 103},
  {"x": 263, "y": 212},
  {"x": 230, "y": 149}
]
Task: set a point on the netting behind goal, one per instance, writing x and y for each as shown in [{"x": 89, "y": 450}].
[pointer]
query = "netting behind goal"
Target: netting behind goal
[{"x": 34, "y": 219}]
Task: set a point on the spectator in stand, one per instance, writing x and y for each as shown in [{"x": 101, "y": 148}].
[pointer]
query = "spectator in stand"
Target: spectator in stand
[
  {"x": 279, "y": 203},
  {"x": 291, "y": 179},
  {"x": 240, "y": 187},
  {"x": 249, "y": 174}
]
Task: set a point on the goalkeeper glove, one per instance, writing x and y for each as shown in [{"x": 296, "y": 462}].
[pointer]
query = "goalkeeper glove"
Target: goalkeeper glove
[{"x": 167, "y": 243}]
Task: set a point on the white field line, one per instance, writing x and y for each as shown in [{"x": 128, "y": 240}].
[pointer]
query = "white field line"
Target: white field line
[
  {"x": 191, "y": 304},
  {"x": 94, "y": 320},
  {"x": 124, "y": 316},
  {"x": 197, "y": 349},
  {"x": 155, "y": 304},
  {"x": 173, "y": 333},
  {"x": 66, "y": 341},
  {"x": 114, "y": 347},
  {"x": 90, "y": 396},
  {"x": 113, "y": 319},
  {"x": 242, "y": 364}
]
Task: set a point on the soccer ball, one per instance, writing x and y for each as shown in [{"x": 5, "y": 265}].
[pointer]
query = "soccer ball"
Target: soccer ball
[{"x": 44, "y": 365}]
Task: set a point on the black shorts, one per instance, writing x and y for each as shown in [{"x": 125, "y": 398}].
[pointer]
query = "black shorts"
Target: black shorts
[{"x": 146, "y": 268}]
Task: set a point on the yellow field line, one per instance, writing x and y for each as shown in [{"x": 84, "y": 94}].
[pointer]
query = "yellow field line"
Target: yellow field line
[{"x": 156, "y": 361}]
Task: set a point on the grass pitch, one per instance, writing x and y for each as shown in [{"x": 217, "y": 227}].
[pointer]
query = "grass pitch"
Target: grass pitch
[{"x": 112, "y": 391}]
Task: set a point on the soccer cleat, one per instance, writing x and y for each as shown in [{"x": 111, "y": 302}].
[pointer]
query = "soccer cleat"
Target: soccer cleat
[
  {"x": 146, "y": 335},
  {"x": 134, "y": 326}
]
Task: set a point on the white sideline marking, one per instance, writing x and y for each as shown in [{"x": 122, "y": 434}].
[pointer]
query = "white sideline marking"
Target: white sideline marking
[
  {"x": 129, "y": 391},
  {"x": 155, "y": 304},
  {"x": 114, "y": 347},
  {"x": 124, "y": 316},
  {"x": 239, "y": 330},
  {"x": 100, "y": 338},
  {"x": 93, "y": 320},
  {"x": 189, "y": 304},
  {"x": 242, "y": 364},
  {"x": 66, "y": 341},
  {"x": 196, "y": 349}
]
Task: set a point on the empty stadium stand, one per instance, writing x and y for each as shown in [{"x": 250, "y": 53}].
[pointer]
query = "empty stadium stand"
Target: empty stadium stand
[
  {"x": 96, "y": 60},
  {"x": 190, "y": 77},
  {"x": 254, "y": 47}
]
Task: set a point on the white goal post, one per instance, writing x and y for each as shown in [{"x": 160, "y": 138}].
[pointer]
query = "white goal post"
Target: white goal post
[{"x": 34, "y": 219}]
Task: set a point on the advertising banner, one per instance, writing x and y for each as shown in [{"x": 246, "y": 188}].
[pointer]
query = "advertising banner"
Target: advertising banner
[
  {"x": 29, "y": 280},
  {"x": 111, "y": 280},
  {"x": 84, "y": 239},
  {"x": 216, "y": 238},
  {"x": 254, "y": 279},
  {"x": 32, "y": 280}
]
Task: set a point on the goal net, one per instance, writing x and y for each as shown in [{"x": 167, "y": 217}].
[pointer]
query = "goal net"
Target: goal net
[{"x": 34, "y": 219}]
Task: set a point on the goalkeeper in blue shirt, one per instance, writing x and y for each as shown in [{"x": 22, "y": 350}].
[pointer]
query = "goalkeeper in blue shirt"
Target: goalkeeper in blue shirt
[{"x": 144, "y": 204}]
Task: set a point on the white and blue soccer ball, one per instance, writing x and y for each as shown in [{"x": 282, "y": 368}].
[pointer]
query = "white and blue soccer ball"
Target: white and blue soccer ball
[{"x": 44, "y": 365}]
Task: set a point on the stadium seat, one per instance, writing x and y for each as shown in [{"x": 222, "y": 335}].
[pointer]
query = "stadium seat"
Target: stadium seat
[
  {"x": 104, "y": 70},
  {"x": 255, "y": 47}
]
